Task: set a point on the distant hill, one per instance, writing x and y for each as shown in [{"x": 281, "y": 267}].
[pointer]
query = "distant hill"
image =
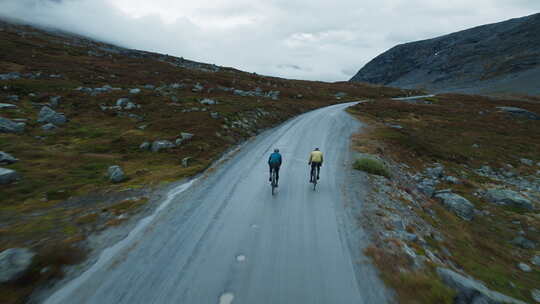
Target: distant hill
[{"x": 495, "y": 58}]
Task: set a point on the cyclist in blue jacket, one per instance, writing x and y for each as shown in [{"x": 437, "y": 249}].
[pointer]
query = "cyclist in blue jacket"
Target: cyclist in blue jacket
[{"x": 274, "y": 162}]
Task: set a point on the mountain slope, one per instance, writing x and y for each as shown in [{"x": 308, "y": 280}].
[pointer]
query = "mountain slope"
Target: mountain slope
[{"x": 495, "y": 58}]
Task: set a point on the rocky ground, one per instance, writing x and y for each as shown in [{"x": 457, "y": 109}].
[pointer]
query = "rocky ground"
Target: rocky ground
[{"x": 458, "y": 219}]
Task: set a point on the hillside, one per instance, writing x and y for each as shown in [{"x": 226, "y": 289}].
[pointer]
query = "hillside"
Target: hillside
[
  {"x": 88, "y": 131},
  {"x": 461, "y": 194},
  {"x": 495, "y": 58}
]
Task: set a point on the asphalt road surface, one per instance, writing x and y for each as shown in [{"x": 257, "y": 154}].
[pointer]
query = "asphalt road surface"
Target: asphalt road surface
[{"x": 223, "y": 238}]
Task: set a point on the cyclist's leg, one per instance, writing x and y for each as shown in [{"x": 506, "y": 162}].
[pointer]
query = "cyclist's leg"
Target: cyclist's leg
[
  {"x": 277, "y": 173},
  {"x": 270, "y": 178},
  {"x": 318, "y": 169},
  {"x": 312, "y": 171}
]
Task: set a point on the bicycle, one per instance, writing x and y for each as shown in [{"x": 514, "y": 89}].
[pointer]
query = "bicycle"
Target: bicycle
[
  {"x": 314, "y": 178},
  {"x": 273, "y": 182}
]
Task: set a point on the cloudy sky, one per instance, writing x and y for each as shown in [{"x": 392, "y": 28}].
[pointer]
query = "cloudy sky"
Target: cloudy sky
[{"x": 302, "y": 39}]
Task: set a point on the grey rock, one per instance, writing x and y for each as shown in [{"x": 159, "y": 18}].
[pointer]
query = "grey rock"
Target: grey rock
[
  {"x": 522, "y": 242},
  {"x": 452, "y": 180},
  {"x": 159, "y": 145},
  {"x": 13, "y": 98},
  {"x": 406, "y": 236},
  {"x": 524, "y": 267},
  {"x": 535, "y": 294},
  {"x": 536, "y": 260},
  {"x": 10, "y": 76},
  {"x": 208, "y": 101},
  {"x": 54, "y": 101},
  {"x": 457, "y": 204},
  {"x": 9, "y": 126},
  {"x": 145, "y": 146},
  {"x": 134, "y": 91},
  {"x": 116, "y": 174},
  {"x": 122, "y": 102},
  {"x": 185, "y": 161},
  {"x": 186, "y": 136},
  {"x": 8, "y": 176},
  {"x": 177, "y": 86},
  {"x": 49, "y": 127},
  {"x": 435, "y": 172},
  {"x": 130, "y": 106},
  {"x": 520, "y": 112},
  {"x": 476, "y": 146},
  {"x": 48, "y": 115},
  {"x": 472, "y": 291},
  {"x": 7, "y": 106},
  {"x": 14, "y": 262},
  {"x": 197, "y": 87},
  {"x": 427, "y": 186},
  {"x": 214, "y": 115},
  {"x": 507, "y": 197},
  {"x": 527, "y": 162},
  {"x": 340, "y": 95},
  {"x": 149, "y": 87},
  {"x": 6, "y": 158}
]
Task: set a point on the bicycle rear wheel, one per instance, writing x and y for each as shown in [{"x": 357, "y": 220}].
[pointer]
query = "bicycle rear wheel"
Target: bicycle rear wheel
[{"x": 274, "y": 182}]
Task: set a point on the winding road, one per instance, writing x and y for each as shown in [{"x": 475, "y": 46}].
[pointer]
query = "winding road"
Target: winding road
[{"x": 223, "y": 238}]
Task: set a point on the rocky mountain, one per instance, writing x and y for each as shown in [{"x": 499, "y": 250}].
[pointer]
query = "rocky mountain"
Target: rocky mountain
[{"x": 495, "y": 58}]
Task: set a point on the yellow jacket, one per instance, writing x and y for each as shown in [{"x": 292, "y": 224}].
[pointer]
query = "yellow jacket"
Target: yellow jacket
[{"x": 316, "y": 157}]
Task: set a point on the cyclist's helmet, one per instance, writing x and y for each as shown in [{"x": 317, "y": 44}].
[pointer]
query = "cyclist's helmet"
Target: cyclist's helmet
[
  {"x": 316, "y": 149},
  {"x": 276, "y": 150}
]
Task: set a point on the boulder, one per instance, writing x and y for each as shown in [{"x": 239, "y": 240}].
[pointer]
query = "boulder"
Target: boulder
[
  {"x": 435, "y": 172},
  {"x": 186, "y": 136},
  {"x": 9, "y": 126},
  {"x": 116, "y": 175},
  {"x": 7, "y": 106},
  {"x": 48, "y": 115},
  {"x": 197, "y": 87},
  {"x": 54, "y": 101},
  {"x": 507, "y": 197},
  {"x": 185, "y": 161},
  {"x": 7, "y": 176},
  {"x": 536, "y": 260},
  {"x": 472, "y": 291},
  {"x": 427, "y": 186},
  {"x": 522, "y": 242},
  {"x": 208, "y": 101},
  {"x": 122, "y": 102},
  {"x": 452, "y": 180},
  {"x": 6, "y": 158},
  {"x": 134, "y": 91},
  {"x": 145, "y": 146},
  {"x": 527, "y": 162},
  {"x": 456, "y": 203},
  {"x": 524, "y": 267},
  {"x": 161, "y": 145},
  {"x": 519, "y": 112},
  {"x": 14, "y": 262},
  {"x": 535, "y": 294},
  {"x": 214, "y": 115},
  {"x": 13, "y": 98},
  {"x": 49, "y": 127}
]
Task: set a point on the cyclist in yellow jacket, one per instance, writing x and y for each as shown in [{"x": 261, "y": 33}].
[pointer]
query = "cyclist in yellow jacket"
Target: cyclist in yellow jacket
[{"x": 315, "y": 160}]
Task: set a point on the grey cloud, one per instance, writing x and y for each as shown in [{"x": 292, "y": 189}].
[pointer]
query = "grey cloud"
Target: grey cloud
[{"x": 306, "y": 39}]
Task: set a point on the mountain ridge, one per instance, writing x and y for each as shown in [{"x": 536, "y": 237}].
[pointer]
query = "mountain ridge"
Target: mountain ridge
[{"x": 493, "y": 58}]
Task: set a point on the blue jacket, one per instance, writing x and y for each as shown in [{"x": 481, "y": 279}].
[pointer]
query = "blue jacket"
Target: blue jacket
[{"x": 274, "y": 159}]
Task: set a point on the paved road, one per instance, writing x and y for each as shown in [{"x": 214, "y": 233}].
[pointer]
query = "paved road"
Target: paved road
[{"x": 225, "y": 239}]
